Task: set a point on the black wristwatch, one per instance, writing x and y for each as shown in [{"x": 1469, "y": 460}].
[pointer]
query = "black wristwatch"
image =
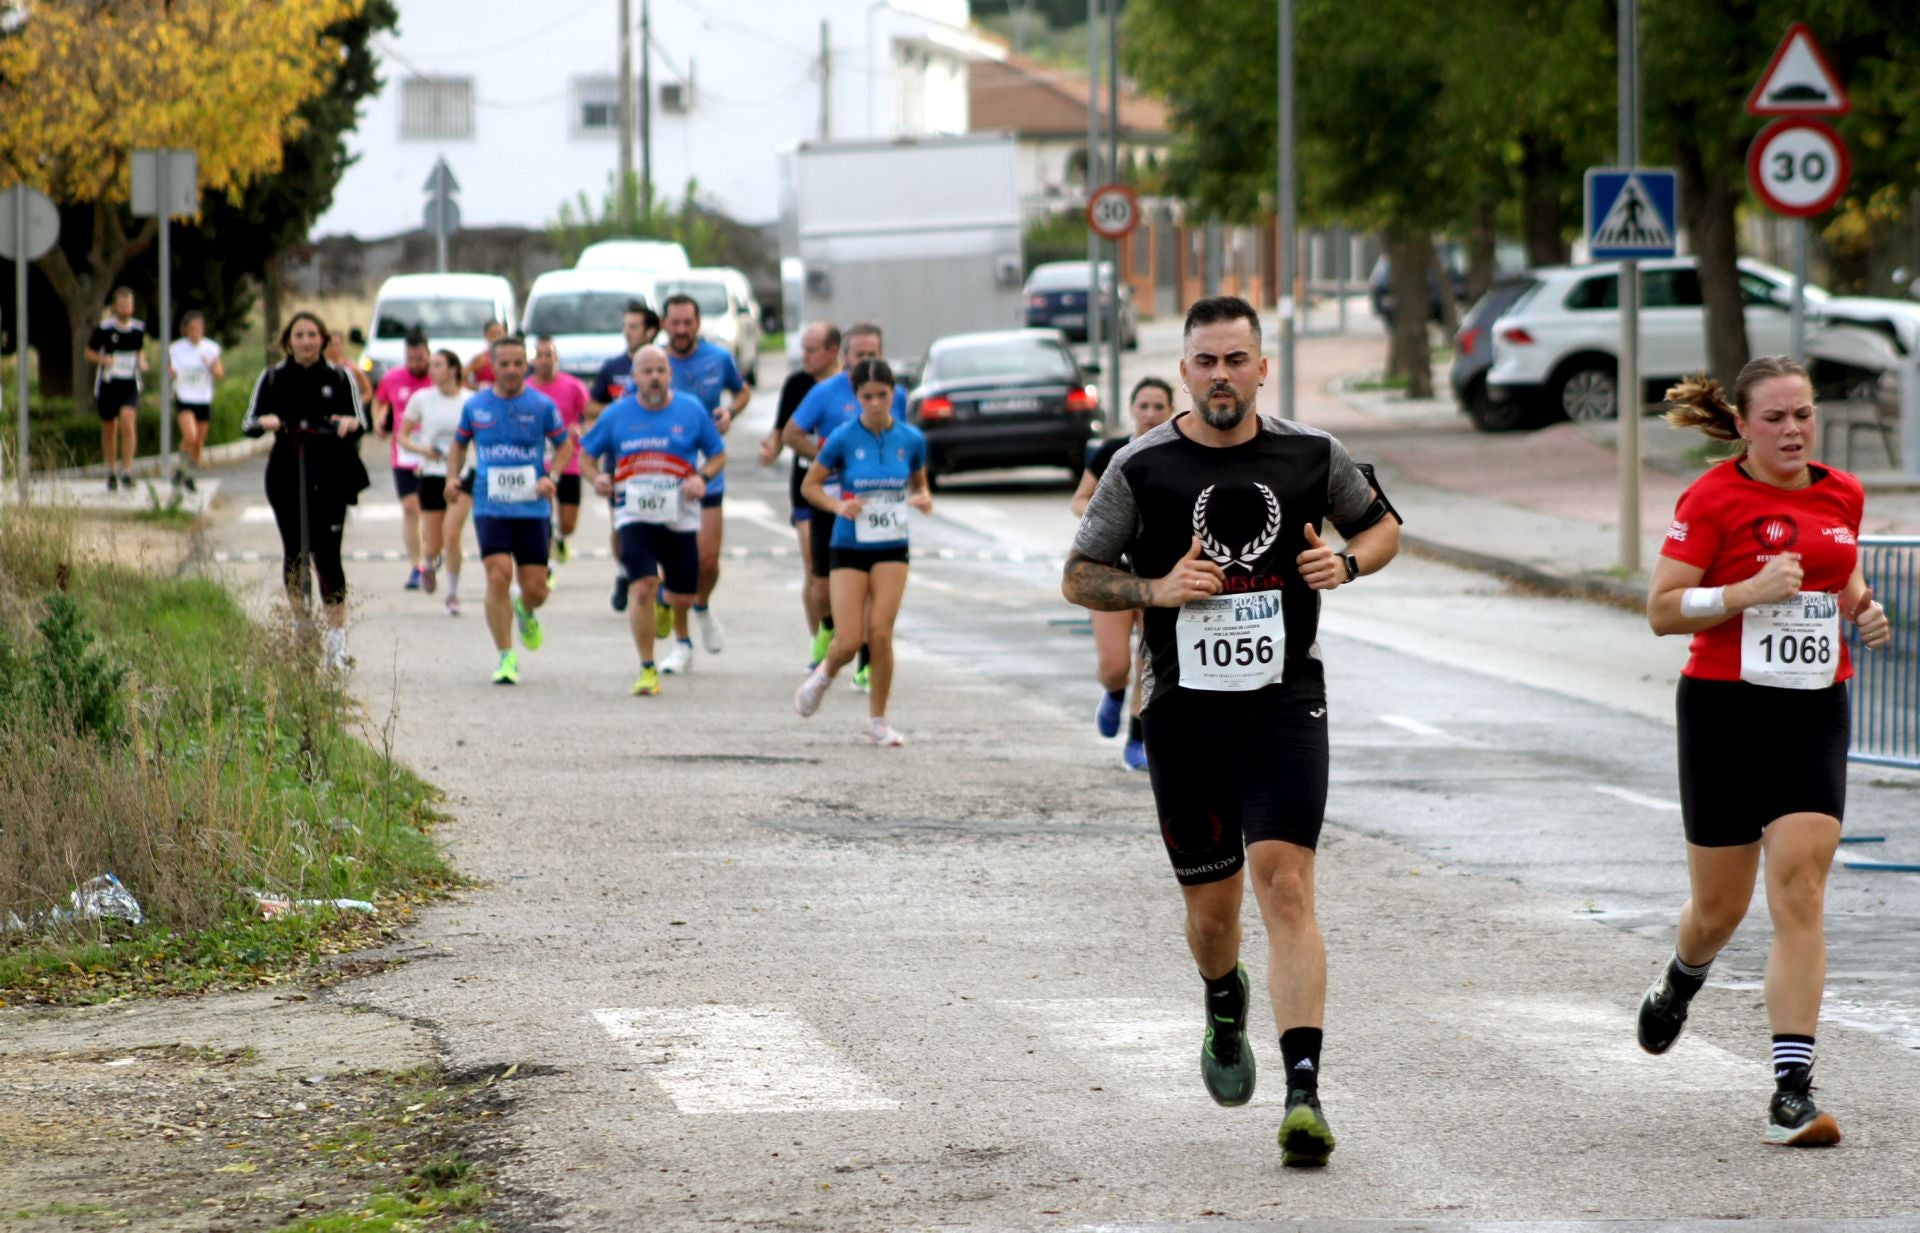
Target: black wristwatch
[{"x": 1353, "y": 565}]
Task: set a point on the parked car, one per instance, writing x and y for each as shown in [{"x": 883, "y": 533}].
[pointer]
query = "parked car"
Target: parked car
[
  {"x": 1003, "y": 398},
  {"x": 729, "y": 317},
  {"x": 1508, "y": 258},
  {"x": 653, "y": 256},
  {"x": 1473, "y": 357},
  {"x": 1057, "y": 293},
  {"x": 582, "y": 310},
  {"x": 452, "y": 310},
  {"x": 1556, "y": 350}
]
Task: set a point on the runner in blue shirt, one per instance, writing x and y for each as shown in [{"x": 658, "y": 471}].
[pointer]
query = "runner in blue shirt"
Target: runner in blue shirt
[
  {"x": 828, "y": 405},
  {"x": 638, "y": 327},
  {"x": 653, "y": 452},
  {"x": 708, "y": 373},
  {"x": 881, "y": 463},
  {"x": 510, "y": 427}
]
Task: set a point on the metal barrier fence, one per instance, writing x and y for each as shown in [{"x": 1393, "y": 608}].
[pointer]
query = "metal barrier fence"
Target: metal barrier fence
[{"x": 1885, "y": 696}]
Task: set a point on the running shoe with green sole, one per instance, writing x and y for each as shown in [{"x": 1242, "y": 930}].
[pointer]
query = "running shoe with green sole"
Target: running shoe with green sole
[
  {"x": 1226, "y": 1059},
  {"x": 822, "y": 639},
  {"x": 648, "y": 685},
  {"x": 508, "y": 673},
  {"x": 863, "y": 679},
  {"x": 530, "y": 633},
  {"x": 1305, "y": 1138},
  {"x": 663, "y": 620}
]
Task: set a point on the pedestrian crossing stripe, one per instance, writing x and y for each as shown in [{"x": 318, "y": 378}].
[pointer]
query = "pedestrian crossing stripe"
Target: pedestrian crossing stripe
[
  {"x": 742, "y": 1059},
  {"x": 778, "y": 552},
  {"x": 1630, "y": 212}
]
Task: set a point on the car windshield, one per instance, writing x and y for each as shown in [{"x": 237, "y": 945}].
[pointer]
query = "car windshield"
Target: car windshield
[
  {"x": 577, "y": 312},
  {"x": 435, "y": 317},
  {"x": 1027, "y": 360},
  {"x": 1065, "y": 276},
  {"x": 711, "y": 297}
]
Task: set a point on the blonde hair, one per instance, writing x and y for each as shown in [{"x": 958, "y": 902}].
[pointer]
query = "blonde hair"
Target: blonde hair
[{"x": 1700, "y": 402}]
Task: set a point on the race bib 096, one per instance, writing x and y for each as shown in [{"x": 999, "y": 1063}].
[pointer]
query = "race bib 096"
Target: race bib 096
[{"x": 511, "y": 485}]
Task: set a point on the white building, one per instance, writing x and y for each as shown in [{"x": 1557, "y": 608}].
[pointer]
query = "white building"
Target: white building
[{"x": 522, "y": 100}]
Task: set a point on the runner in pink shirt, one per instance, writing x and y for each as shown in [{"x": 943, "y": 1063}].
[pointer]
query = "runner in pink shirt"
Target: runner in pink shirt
[
  {"x": 389, "y": 408},
  {"x": 569, "y": 394}
]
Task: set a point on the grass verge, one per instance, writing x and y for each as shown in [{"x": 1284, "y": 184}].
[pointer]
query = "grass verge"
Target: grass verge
[{"x": 150, "y": 730}]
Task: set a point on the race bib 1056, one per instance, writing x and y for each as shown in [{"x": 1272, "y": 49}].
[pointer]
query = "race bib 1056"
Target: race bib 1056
[{"x": 1232, "y": 643}]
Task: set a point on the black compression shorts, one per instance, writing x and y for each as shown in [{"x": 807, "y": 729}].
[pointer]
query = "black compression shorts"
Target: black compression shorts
[
  {"x": 568, "y": 487},
  {"x": 1753, "y": 753},
  {"x": 1233, "y": 769},
  {"x": 820, "y": 536},
  {"x": 864, "y": 559}
]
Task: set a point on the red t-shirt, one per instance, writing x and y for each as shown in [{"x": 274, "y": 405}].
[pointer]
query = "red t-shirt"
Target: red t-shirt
[
  {"x": 569, "y": 394},
  {"x": 1730, "y": 525}
]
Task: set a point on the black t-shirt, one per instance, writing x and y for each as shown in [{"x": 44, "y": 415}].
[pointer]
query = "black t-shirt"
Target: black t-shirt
[
  {"x": 1099, "y": 457},
  {"x": 792, "y": 393},
  {"x": 121, "y": 344},
  {"x": 1250, "y": 505}
]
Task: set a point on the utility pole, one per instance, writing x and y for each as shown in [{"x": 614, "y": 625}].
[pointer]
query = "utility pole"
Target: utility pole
[
  {"x": 625, "y": 194},
  {"x": 646, "y": 103},
  {"x": 1113, "y": 382},
  {"x": 1094, "y": 181},
  {"x": 826, "y": 83},
  {"x": 1284, "y": 208},
  {"x": 1627, "y": 394}
]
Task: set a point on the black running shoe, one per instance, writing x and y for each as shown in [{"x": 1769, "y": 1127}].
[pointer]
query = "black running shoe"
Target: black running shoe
[
  {"x": 619, "y": 597},
  {"x": 1305, "y": 1138},
  {"x": 113, "y": 482},
  {"x": 1793, "y": 1120},
  {"x": 1663, "y": 1012},
  {"x": 1226, "y": 1059}
]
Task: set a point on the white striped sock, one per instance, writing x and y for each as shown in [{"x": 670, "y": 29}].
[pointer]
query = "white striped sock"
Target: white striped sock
[{"x": 1791, "y": 1051}]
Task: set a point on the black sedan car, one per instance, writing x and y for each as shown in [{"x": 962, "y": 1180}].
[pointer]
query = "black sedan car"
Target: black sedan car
[
  {"x": 1057, "y": 294},
  {"x": 1004, "y": 398}
]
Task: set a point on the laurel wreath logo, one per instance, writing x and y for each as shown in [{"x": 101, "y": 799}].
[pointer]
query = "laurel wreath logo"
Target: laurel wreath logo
[{"x": 1258, "y": 547}]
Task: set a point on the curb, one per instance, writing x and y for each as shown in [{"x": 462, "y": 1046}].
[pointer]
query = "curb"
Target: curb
[
  {"x": 1598, "y": 588},
  {"x": 216, "y": 455}
]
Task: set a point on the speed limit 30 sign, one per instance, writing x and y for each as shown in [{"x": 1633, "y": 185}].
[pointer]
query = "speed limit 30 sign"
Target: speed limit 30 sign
[
  {"x": 1113, "y": 211},
  {"x": 1799, "y": 167}
]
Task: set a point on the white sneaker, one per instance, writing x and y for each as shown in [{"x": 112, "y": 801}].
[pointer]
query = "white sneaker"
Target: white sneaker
[
  {"x": 679, "y": 659},
  {"x": 807, "y": 699},
  {"x": 336, "y": 650},
  {"x": 880, "y": 732},
  {"x": 712, "y": 637}
]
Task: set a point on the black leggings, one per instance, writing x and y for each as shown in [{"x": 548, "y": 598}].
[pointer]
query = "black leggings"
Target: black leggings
[{"x": 326, "y": 528}]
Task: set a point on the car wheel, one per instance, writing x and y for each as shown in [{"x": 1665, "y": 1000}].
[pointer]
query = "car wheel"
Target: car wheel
[
  {"x": 1490, "y": 416},
  {"x": 1589, "y": 392}
]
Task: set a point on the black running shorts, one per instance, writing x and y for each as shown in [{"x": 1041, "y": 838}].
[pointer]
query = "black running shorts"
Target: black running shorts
[
  {"x": 568, "y": 489},
  {"x": 1233, "y": 769},
  {"x": 820, "y": 536},
  {"x": 116, "y": 396},
  {"x": 1753, "y": 753},
  {"x": 864, "y": 559},
  {"x": 433, "y": 494}
]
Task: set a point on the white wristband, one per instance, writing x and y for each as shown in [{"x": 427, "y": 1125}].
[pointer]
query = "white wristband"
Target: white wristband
[{"x": 1703, "y": 602}]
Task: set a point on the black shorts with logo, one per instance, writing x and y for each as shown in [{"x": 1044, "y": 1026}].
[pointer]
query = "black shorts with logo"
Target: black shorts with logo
[
  {"x": 1232, "y": 769},
  {"x": 113, "y": 397},
  {"x": 1752, "y": 753}
]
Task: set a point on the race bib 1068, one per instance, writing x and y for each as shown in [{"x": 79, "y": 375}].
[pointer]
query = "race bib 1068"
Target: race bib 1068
[
  {"x": 1794, "y": 644},
  {"x": 883, "y": 518},
  {"x": 1232, "y": 643},
  {"x": 510, "y": 485}
]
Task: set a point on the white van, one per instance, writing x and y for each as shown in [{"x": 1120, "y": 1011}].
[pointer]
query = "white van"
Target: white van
[
  {"x": 729, "y": 315},
  {"x": 582, "y": 310},
  {"x": 452, "y": 310},
  {"x": 653, "y": 256}
]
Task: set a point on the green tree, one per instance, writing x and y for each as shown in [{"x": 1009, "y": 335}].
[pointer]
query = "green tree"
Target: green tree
[{"x": 581, "y": 221}]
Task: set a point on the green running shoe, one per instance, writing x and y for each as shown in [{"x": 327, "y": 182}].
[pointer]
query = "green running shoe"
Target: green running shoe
[
  {"x": 508, "y": 673},
  {"x": 1305, "y": 1138},
  {"x": 530, "y": 635},
  {"x": 662, "y": 620},
  {"x": 822, "y": 639},
  {"x": 1226, "y": 1059},
  {"x": 863, "y": 679}
]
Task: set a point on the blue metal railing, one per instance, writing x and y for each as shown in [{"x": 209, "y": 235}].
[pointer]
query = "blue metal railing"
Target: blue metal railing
[{"x": 1886, "y": 683}]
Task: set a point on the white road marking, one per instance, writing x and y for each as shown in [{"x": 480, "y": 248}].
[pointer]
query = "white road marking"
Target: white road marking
[
  {"x": 1636, "y": 798},
  {"x": 371, "y": 513},
  {"x": 1590, "y": 1046},
  {"x": 759, "y": 513},
  {"x": 257, "y": 513},
  {"x": 1144, "y": 1047},
  {"x": 932, "y": 584},
  {"x": 1416, "y": 727},
  {"x": 742, "y": 1059}
]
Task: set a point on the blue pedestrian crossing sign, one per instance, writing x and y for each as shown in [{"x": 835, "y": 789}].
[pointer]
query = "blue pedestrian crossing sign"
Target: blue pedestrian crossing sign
[{"x": 1631, "y": 212}]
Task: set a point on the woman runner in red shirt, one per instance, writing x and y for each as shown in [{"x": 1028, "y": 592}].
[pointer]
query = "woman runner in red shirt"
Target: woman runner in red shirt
[{"x": 1760, "y": 565}]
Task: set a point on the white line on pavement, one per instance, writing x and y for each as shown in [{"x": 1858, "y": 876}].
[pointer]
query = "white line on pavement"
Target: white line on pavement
[
  {"x": 759, "y": 513},
  {"x": 1144, "y": 1047},
  {"x": 1635, "y": 798},
  {"x": 1416, "y": 727},
  {"x": 742, "y": 1059},
  {"x": 1590, "y": 1047}
]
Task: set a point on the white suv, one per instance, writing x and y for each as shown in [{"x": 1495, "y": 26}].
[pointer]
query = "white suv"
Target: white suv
[{"x": 1557, "y": 348}]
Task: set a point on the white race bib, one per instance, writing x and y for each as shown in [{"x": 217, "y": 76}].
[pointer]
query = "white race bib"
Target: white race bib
[
  {"x": 883, "y": 518},
  {"x": 123, "y": 365},
  {"x": 1794, "y": 644},
  {"x": 653, "y": 499},
  {"x": 1232, "y": 643},
  {"x": 512, "y": 485}
]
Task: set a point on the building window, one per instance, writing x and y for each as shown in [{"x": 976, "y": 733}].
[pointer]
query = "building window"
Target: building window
[
  {"x": 436, "y": 108},
  {"x": 596, "y": 106}
]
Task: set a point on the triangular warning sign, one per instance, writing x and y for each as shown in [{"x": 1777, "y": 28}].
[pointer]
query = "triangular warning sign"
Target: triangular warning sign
[
  {"x": 1799, "y": 80},
  {"x": 1633, "y": 221}
]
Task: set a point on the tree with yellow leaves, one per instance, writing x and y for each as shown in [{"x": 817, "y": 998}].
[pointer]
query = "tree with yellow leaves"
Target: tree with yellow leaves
[{"x": 83, "y": 83}]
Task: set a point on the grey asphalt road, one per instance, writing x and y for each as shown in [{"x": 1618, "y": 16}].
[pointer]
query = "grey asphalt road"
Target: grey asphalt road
[{"x": 760, "y": 975}]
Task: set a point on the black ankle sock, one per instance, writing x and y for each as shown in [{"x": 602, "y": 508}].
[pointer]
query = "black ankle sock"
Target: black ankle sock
[
  {"x": 1791, "y": 1053},
  {"x": 1118, "y": 695},
  {"x": 826, "y": 623},
  {"x": 1686, "y": 978},
  {"x": 1134, "y": 731},
  {"x": 1225, "y": 997},
  {"x": 865, "y": 659},
  {"x": 1300, "y": 1047}
]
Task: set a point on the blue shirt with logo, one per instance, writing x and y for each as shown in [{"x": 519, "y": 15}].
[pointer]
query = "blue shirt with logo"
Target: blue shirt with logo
[
  {"x": 709, "y": 374},
  {"x": 832, "y": 403},
  {"x": 508, "y": 434},
  {"x": 631, "y": 441},
  {"x": 866, "y": 463}
]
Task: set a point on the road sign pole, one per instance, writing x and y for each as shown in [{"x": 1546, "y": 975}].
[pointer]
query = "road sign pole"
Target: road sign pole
[
  {"x": 1284, "y": 209},
  {"x": 164, "y": 166},
  {"x": 1113, "y": 377},
  {"x": 21, "y": 466},
  {"x": 1626, "y": 394},
  {"x": 1108, "y": 410},
  {"x": 1797, "y": 346}
]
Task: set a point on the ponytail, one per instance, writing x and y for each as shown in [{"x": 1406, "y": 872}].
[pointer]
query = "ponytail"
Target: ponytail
[{"x": 1697, "y": 402}]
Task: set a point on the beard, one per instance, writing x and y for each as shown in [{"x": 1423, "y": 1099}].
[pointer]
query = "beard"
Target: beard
[{"x": 1224, "y": 418}]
